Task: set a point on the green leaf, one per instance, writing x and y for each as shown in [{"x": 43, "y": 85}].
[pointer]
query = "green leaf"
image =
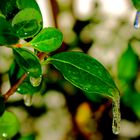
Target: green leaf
[
  {"x": 28, "y": 137},
  {"x": 9, "y": 125},
  {"x": 128, "y": 65},
  {"x": 28, "y": 62},
  {"x": 1, "y": 15},
  {"x": 85, "y": 73},
  {"x": 48, "y": 40},
  {"x": 132, "y": 99},
  {"x": 27, "y": 23},
  {"x": 135, "y": 103},
  {"x": 26, "y": 87},
  {"x": 2, "y": 105},
  {"x": 7, "y": 34},
  {"x": 27, "y": 4},
  {"x": 8, "y": 8},
  {"x": 136, "y": 4},
  {"x": 95, "y": 97}
]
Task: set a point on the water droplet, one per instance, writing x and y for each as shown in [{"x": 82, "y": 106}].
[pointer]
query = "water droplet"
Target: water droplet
[
  {"x": 27, "y": 100},
  {"x": 137, "y": 20},
  {"x": 85, "y": 88},
  {"x": 18, "y": 89},
  {"x": 4, "y": 136},
  {"x": 35, "y": 81},
  {"x": 116, "y": 114}
]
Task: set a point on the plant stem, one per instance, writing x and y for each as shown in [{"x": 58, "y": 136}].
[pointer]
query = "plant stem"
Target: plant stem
[
  {"x": 14, "y": 87},
  {"x": 12, "y": 90},
  {"x": 41, "y": 56}
]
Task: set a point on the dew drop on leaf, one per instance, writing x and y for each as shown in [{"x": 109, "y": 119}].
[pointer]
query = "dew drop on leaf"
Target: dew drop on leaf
[
  {"x": 35, "y": 81},
  {"x": 137, "y": 20},
  {"x": 116, "y": 114},
  {"x": 18, "y": 89},
  {"x": 27, "y": 100},
  {"x": 4, "y": 136}
]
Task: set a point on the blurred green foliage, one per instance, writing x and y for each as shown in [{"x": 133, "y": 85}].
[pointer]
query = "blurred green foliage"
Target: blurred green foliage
[{"x": 110, "y": 39}]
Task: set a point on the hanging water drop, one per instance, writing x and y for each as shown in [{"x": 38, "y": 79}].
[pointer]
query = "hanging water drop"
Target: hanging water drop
[
  {"x": 35, "y": 81},
  {"x": 27, "y": 100},
  {"x": 116, "y": 114},
  {"x": 137, "y": 20}
]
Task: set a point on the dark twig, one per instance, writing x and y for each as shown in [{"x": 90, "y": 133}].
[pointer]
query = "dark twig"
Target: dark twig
[{"x": 12, "y": 90}]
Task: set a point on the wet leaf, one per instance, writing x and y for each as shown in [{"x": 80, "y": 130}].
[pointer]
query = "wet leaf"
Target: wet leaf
[
  {"x": 9, "y": 125},
  {"x": 27, "y": 88},
  {"x": 48, "y": 40},
  {"x": 8, "y": 8},
  {"x": 28, "y": 62},
  {"x": 27, "y": 4},
  {"x": 27, "y": 23},
  {"x": 15, "y": 73},
  {"x": 85, "y": 73},
  {"x": 7, "y": 34}
]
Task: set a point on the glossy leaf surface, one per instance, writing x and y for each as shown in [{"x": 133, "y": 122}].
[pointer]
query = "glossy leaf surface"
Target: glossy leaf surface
[
  {"x": 9, "y": 125},
  {"x": 48, "y": 40},
  {"x": 128, "y": 65},
  {"x": 27, "y": 4},
  {"x": 8, "y": 8},
  {"x": 28, "y": 62},
  {"x": 136, "y": 3},
  {"x": 15, "y": 73},
  {"x": 7, "y": 34},
  {"x": 85, "y": 72},
  {"x": 27, "y": 22}
]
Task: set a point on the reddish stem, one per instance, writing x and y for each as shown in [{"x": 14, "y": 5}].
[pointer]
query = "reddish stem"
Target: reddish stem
[{"x": 14, "y": 87}]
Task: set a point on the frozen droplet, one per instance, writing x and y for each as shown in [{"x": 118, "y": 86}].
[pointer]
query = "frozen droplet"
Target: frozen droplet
[
  {"x": 116, "y": 114},
  {"x": 137, "y": 20},
  {"x": 27, "y": 100},
  {"x": 35, "y": 81}
]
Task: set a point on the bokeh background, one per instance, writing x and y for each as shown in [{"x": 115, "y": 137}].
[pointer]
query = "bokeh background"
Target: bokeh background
[{"x": 59, "y": 111}]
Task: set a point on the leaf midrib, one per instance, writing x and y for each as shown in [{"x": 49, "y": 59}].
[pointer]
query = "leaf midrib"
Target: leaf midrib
[
  {"x": 23, "y": 57},
  {"x": 83, "y": 70},
  {"x": 43, "y": 41}
]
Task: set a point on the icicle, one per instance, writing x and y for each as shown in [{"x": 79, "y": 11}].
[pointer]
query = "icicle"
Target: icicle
[
  {"x": 27, "y": 100},
  {"x": 137, "y": 20},
  {"x": 116, "y": 114},
  {"x": 35, "y": 81}
]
